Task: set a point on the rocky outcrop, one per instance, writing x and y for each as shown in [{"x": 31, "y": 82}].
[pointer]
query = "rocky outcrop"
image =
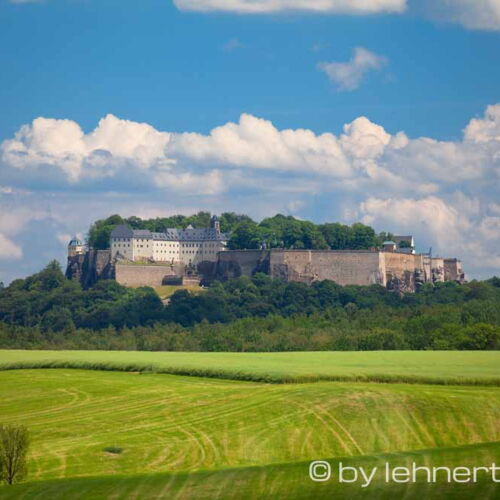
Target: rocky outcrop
[{"x": 91, "y": 266}]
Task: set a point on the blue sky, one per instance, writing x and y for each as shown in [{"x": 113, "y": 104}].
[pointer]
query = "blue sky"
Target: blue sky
[{"x": 411, "y": 69}]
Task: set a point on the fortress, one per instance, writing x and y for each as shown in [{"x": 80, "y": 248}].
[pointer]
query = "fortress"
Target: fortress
[{"x": 144, "y": 258}]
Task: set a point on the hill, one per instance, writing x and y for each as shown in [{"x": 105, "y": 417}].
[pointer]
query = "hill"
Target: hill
[
  {"x": 283, "y": 481},
  {"x": 109, "y": 434}
]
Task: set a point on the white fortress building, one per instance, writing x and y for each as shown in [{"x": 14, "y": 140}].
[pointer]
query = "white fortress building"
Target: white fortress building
[{"x": 188, "y": 246}]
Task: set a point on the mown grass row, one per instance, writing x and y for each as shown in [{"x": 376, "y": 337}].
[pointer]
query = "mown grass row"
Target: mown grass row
[{"x": 227, "y": 374}]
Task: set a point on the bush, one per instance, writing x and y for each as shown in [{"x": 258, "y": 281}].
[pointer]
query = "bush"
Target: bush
[{"x": 115, "y": 450}]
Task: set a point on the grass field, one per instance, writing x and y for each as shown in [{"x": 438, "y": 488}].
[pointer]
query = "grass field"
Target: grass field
[
  {"x": 166, "y": 291},
  {"x": 441, "y": 367},
  {"x": 193, "y": 437},
  {"x": 281, "y": 481}
]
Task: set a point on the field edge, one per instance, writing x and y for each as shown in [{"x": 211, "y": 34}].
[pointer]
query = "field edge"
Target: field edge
[{"x": 227, "y": 374}]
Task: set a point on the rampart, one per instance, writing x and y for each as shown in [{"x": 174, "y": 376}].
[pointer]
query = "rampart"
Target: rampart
[
  {"x": 343, "y": 267},
  {"x": 236, "y": 263},
  {"x": 346, "y": 267},
  {"x": 145, "y": 275},
  {"x": 401, "y": 272}
]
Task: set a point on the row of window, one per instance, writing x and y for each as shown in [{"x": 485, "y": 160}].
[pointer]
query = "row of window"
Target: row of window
[{"x": 191, "y": 245}]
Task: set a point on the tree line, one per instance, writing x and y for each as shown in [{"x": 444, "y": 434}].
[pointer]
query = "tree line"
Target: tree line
[
  {"x": 279, "y": 231},
  {"x": 247, "y": 314}
]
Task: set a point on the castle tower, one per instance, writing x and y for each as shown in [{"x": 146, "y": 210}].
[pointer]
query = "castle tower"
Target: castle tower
[
  {"x": 75, "y": 247},
  {"x": 215, "y": 223}
]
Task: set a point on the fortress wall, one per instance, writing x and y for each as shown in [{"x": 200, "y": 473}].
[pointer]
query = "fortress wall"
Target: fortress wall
[
  {"x": 437, "y": 269},
  {"x": 147, "y": 275},
  {"x": 236, "y": 263},
  {"x": 343, "y": 267},
  {"x": 402, "y": 267},
  {"x": 453, "y": 270},
  {"x": 397, "y": 264}
]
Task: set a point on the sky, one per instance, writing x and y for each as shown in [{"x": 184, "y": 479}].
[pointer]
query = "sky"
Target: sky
[{"x": 380, "y": 111}]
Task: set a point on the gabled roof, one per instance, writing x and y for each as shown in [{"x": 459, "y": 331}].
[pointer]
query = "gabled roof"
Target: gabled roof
[{"x": 122, "y": 231}]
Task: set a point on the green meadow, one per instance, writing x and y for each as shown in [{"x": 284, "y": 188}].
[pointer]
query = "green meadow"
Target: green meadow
[
  {"x": 125, "y": 430},
  {"x": 440, "y": 367}
]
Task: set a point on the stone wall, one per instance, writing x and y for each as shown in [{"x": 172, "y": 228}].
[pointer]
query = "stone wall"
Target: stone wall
[
  {"x": 343, "y": 267},
  {"x": 400, "y": 270},
  {"x": 453, "y": 270},
  {"x": 146, "y": 275},
  {"x": 236, "y": 263},
  {"x": 438, "y": 269}
]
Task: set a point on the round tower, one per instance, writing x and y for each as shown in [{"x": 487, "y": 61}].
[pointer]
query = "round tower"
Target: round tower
[{"x": 75, "y": 247}]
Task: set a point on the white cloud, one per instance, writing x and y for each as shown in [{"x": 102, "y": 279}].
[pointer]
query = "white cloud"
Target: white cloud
[
  {"x": 257, "y": 143},
  {"x": 274, "y": 6},
  {"x": 62, "y": 143},
  {"x": 442, "y": 225},
  {"x": 473, "y": 14},
  {"x": 144, "y": 157},
  {"x": 441, "y": 221},
  {"x": 8, "y": 249},
  {"x": 481, "y": 130},
  {"x": 349, "y": 75},
  {"x": 116, "y": 149},
  {"x": 364, "y": 139}
]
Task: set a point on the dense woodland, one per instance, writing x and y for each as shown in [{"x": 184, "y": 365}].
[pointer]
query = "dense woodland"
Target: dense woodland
[
  {"x": 275, "y": 232},
  {"x": 48, "y": 311}
]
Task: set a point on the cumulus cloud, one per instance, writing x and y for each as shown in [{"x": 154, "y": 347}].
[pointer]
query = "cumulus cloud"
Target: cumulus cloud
[
  {"x": 349, "y": 75},
  {"x": 117, "y": 149},
  {"x": 123, "y": 149},
  {"x": 448, "y": 227},
  {"x": 444, "y": 191},
  {"x": 8, "y": 249},
  {"x": 62, "y": 143},
  {"x": 274, "y": 6},
  {"x": 257, "y": 143},
  {"x": 483, "y": 130}
]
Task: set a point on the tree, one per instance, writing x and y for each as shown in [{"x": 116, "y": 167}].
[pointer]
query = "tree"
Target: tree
[
  {"x": 14, "y": 445},
  {"x": 336, "y": 235},
  {"x": 246, "y": 235},
  {"x": 229, "y": 221},
  {"x": 100, "y": 232},
  {"x": 362, "y": 237}
]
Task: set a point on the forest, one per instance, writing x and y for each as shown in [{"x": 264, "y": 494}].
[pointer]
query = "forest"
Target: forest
[{"x": 48, "y": 311}]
